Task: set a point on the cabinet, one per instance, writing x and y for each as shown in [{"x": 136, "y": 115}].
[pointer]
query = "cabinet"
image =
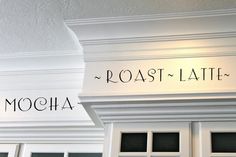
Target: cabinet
[{"x": 171, "y": 139}]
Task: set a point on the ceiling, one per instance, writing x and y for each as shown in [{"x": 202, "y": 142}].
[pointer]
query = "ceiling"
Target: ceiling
[{"x": 82, "y": 9}]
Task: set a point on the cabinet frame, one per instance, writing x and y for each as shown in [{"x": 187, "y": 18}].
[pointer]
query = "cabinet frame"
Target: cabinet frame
[
  {"x": 11, "y": 149},
  {"x": 206, "y": 128},
  {"x": 28, "y": 149}
]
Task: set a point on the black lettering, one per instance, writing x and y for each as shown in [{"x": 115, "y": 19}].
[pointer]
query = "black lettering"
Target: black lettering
[
  {"x": 67, "y": 101},
  {"x": 10, "y": 103},
  {"x": 141, "y": 77},
  {"x": 42, "y": 102},
  {"x": 53, "y": 104},
  {"x": 161, "y": 71},
  {"x": 212, "y": 73},
  {"x": 203, "y": 74},
  {"x": 151, "y": 72},
  {"x": 181, "y": 75},
  {"x": 122, "y": 79},
  {"x": 193, "y": 75},
  {"x": 219, "y": 74},
  {"x": 20, "y": 107},
  {"x": 109, "y": 76}
]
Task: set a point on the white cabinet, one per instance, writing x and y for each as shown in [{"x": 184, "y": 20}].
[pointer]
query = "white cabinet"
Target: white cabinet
[
  {"x": 157, "y": 139},
  {"x": 171, "y": 139}
]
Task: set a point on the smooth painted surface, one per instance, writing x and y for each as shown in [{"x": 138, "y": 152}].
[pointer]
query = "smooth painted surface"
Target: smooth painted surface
[
  {"x": 53, "y": 106},
  {"x": 164, "y": 76}
]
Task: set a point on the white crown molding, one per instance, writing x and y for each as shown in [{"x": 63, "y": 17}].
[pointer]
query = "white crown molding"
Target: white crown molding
[
  {"x": 52, "y": 134},
  {"x": 161, "y": 107},
  {"x": 161, "y": 50},
  {"x": 40, "y": 54},
  {"x": 42, "y": 79},
  {"x": 43, "y": 124},
  {"x": 41, "y": 64},
  {"x": 152, "y": 17},
  {"x": 199, "y": 36},
  {"x": 43, "y": 72},
  {"x": 161, "y": 29},
  {"x": 109, "y": 97},
  {"x": 203, "y": 34},
  {"x": 202, "y": 27}
]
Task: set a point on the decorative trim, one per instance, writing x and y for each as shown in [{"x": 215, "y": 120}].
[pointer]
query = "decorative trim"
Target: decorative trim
[
  {"x": 153, "y": 17},
  {"x": 92, "y": 98},
  {"x": 161, "y": 47},
  {"x": 161, "y": 107},
  {"x": 199, "y": 36},
  {"x": 40, "y": 54},
  {"x": 165, "y": 53},
  {"x": 52, "y": 134},
  {"x": 42, "y": 79},
  {"x": 39, "y": 124},
  {"x": 155, "y": 36},
  {"x": 43, "y": 71}
]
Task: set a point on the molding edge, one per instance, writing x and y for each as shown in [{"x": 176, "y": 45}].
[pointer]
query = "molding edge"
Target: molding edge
[
  {"x": 156, "y": 97},
  {"x": 52, "y": 134},
  {"x": 137, "y": 18},
  {"x": 161, "y": 107},
  {"x": 199, "y": 36},
  {"x": 43, "y": 71},
  {"x": 37, "y": 54}
]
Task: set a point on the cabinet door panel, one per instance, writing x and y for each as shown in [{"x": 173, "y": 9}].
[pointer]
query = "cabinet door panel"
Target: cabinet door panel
[{"x": 218, "y": 139}]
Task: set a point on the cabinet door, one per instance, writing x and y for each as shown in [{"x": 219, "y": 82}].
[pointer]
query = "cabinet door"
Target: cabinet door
[
  {"x": 8, "y": 150},
  {"x": 151, "y": 140},
  {"x": 218, "y": 139},
  {"x": 62, "y": 150}
]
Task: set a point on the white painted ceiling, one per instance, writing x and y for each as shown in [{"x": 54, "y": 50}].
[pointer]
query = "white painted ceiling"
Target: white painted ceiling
[{"x": 82, "y": 9}]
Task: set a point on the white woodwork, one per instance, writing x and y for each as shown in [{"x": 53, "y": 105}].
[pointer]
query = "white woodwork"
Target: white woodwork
[
  {"x": 52, "y": 134},
  {"x": 28, "y": 149},
  {"x": 182, "y": 127},
  {"x": 59, "y": 69},
  {"x": 171, "y": 76},
  {"x": 206, "y": 128},
  {"x": 11, "y": 149},
  {"x": 158, "y": 107},
  {"x": 93, "y": 30}
]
